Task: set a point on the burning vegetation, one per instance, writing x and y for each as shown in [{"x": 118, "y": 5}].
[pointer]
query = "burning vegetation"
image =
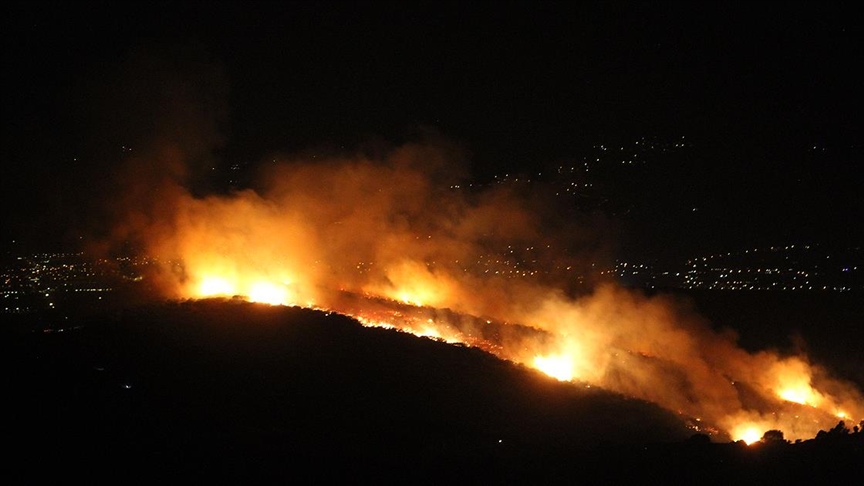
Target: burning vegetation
[{"x": 388, "y": 240}]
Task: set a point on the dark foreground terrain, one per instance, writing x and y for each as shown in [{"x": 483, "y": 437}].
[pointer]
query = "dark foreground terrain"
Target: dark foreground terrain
[{"x": 242, "y": 393}]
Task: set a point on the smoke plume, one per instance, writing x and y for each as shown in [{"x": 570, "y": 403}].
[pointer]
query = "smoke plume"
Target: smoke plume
[{"x": 399, "y": 238}]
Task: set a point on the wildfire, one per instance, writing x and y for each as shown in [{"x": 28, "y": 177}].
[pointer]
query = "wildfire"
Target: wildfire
[
  {"x": 431, "y": 329},
  {"x": 803, "y": 396},
  {"x": 215, "y": 287},
  {"x": 557, "y": 366},
  {"x": 378, "y": 241},
  {"x": 262, "y": 292},
  {"x": 749, "y": 435},
  {"x": 794, "y": 383},
  {"x": 267, "y": 293}
]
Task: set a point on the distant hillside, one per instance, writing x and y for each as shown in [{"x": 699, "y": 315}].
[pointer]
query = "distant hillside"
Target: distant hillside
[{"x": 236, "y": 391}]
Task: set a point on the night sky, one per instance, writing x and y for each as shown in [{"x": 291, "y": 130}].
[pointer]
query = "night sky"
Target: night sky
[{"x": 768, "y": 96}]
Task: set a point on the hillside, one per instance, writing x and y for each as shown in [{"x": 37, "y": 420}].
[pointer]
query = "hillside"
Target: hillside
[{"x": 234, "y": 391}]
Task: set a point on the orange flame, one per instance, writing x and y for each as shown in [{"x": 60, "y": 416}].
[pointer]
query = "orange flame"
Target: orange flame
[
  {"x": 557, "y": 366},
  {"x": 215, "y": 286},
  {"x": 748, "y": 434},
  {"x": 438, "y": 263}
]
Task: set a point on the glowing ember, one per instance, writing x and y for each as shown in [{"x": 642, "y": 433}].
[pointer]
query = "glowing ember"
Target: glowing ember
[
  {"x": 373, "y": 323},
  {"x": 559, "y": 367}
]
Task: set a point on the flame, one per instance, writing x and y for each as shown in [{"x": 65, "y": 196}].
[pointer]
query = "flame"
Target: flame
[
  {"x": 557, "y": 366},
  {"x": 215, "y": 286},
  {"x": 414, "y": 284},
  {"x": 748, "y": 434},
  {"x": 259, "y": 291},
  {"x": 803, "y": 396},
  {"x": 268, "y": 293},
  {"x": 793, "y": 378},
  {"x": 380, "y": 241}
]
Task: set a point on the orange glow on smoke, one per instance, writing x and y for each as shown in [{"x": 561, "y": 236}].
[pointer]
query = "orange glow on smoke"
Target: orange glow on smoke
[
  {"x": 413, "y": 283},
  {"x": 793, "y": 383},
  {"x": 215, "y": 286},
  {"x": 380, "y": 241}
]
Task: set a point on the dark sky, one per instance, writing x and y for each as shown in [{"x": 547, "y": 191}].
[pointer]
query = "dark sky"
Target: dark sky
[{"x": 753, "y": 86}]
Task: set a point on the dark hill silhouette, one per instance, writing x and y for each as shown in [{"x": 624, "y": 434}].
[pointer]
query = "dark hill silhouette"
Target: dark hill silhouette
[{"x": 238, "y": 392}]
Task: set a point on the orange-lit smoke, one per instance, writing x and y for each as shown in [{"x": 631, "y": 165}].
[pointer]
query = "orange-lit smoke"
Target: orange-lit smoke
[{"x": 390, "y": 241}]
